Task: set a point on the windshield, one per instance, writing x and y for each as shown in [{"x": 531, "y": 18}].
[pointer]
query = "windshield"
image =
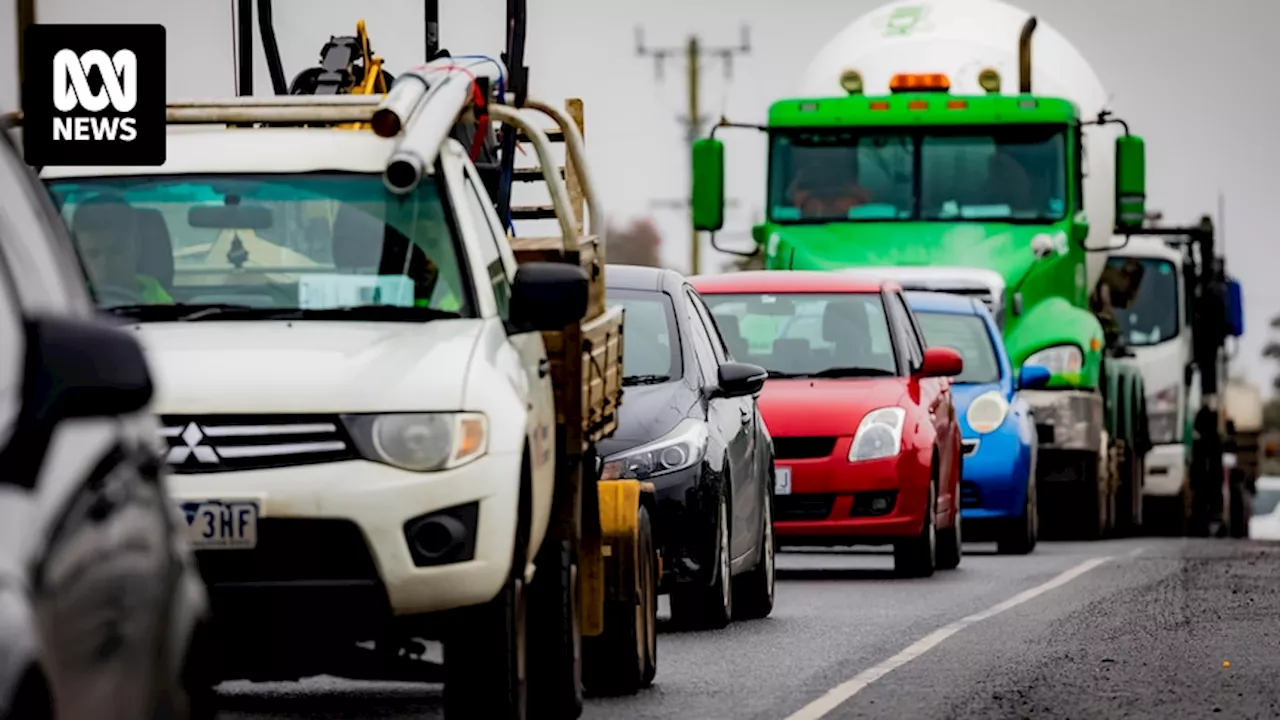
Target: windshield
[
  {"x": 1012, "y": 173},
  {"x": 1144, "y": 294},
  {"x": 967, "y": 335},
  {"x": 797, "y": 335},
  {"x": 650, "y": 353},
  {"x": 264, "y": 246},
  {"x": 1264, "y": 503}
]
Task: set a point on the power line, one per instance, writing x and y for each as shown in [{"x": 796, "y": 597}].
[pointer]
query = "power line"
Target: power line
[{"x": 693, "y": 52}]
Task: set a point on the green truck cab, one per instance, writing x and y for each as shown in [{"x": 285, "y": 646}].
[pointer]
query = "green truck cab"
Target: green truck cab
[{"x": 982, "y": 194}]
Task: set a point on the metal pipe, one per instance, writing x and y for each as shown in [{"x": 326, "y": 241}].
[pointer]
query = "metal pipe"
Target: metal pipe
[
  {"x": 279, "y": 101},
  {"x": 244, "y": 17},
  {"x": 1024, "y": 55},
  {"x": 407, "y": 93},
  {"x": 267, "y": 29},
  {"x": 542, "y": 145},
  {"x": 425, "y": 131},
  {"x": 431, "y": 16},
  {"x": 215, "y": 115},
  {"x": 577, "y": 149}
]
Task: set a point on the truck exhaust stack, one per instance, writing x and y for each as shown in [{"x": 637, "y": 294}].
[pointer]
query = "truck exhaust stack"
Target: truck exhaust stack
[{"x": 1024, "y": 55}]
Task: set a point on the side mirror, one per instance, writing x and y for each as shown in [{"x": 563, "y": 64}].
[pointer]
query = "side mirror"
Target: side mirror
[
  {"x": 740, "y": 379},
  {"x": 1131, "y": 184},
  {"x": 1235, "y": 308},
  {"x": 1033, "y": 377},
  {"x": 84, "y": 369},
  {"x": 548, "y": 296},
  {"x": 708, "y": 184},
  {"x": 760, "y": 233},
  {"x": 1080, "y": 232},
  {"x": 941, "y": 362}
]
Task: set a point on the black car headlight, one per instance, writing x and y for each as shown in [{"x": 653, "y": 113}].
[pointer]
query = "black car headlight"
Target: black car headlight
[
  {"x": 422, "y": 442},
  {"x": 681, "y": 448}
]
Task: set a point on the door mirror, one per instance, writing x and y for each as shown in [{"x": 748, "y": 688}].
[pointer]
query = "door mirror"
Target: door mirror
[
  {"x": 1080, "y": 232},
  {"x": 84, "y": 369},
  {"x": 708, "y": 184},
  {"x": 1131, "y": 184},
  {"x": 1033, "y": 377},
  {"x": 548, "y": 296},
  {"x": 740, "y": 379},
  {"x": 1235, "y": 308},
  {"x": 941, "y": 362}
]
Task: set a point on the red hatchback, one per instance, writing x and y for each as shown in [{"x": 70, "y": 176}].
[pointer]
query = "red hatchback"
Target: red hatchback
[{"x": 866, "y": 440}]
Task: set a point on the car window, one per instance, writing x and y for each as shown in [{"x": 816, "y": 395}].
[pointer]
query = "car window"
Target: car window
[
  {"x": 905, "y": 330},
  {"x": 967, "y": 335},
  {"x": 805, "y": 333},
  {"x": 277, "y": 244},
  {"x": 697, "y": 333},
  {"x": 490, "y": 254},
  {"x": 12, "y": 356},
  {"x": 650, "y": 348},
  {"x": 718, "y": 345}
]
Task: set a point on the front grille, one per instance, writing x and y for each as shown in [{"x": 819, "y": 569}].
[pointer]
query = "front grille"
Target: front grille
[
  {"x": 969, "y": 447},
  {"x": 223, "y": 443},
  {"x": 293, "y": 550},
  {"x": 804, "y": 507},
  {"x": 970, "y": 495},
  {"x": 802, "y": 448}
]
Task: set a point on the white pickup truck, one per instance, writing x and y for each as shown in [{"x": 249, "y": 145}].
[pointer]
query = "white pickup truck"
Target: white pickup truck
[{"x": 354, "y": 385}]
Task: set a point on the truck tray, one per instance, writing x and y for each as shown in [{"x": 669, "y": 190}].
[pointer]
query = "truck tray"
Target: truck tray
[{"x": 589, "y": 381}]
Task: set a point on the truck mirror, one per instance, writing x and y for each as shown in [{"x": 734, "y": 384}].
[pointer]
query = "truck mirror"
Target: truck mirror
[
  {"x": 708, "y": 184},
  {"x": 1131, "y": 184},
  {"x": 1235, "y": 309}
]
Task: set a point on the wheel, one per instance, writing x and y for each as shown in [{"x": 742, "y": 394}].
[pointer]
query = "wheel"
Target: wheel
[
  {"x": 753, "y": 591},
  {"x": 623, "y": 658},
  {"x": 950, "y": 546},
  {"x": 1024, "y": 532},
  {"x": 555, "y": 639},
  {"x": 1128, "y": 501},
  {"x": 918, "y": 557},
  {"x": 708, "y": 607},
  {"x": 484, "y": 658},
  {"x": 1167, "y": 516},
  {"x": 1091, "y": 501}
]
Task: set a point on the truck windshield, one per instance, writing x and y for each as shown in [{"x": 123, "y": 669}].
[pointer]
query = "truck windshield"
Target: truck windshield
[
  {"x": 1143, "y": 295},
  {"x": 322, "y": 246},
  {"x": 807, "y": 335},
  {"x": 1011, "y": 173},
  {"x": 967, "y": 335}
]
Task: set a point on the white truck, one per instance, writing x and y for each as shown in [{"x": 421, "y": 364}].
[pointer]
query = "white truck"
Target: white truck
[{"x": 355, "y": 371}]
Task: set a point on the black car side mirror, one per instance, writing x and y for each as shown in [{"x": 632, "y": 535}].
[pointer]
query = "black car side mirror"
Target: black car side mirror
[
  {"x": 740, "y": 379},
  {"x": 80, "y": 369},
  {"x": 548, "y": 296}
]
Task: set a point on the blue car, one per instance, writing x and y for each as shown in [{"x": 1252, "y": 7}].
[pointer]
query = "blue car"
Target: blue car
[{"x": 997, "y": 488}]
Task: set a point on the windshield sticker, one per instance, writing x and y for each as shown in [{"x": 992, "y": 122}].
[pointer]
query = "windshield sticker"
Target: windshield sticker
[{"x": 317, "y": 292}]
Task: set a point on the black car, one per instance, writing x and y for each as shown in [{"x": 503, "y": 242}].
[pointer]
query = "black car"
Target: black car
[
  {"x": 101, "y": 607},
  {"x": 689, "y": 424}
]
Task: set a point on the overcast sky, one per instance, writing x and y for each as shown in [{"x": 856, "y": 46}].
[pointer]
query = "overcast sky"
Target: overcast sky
[{"x": 1196, "y": 79}]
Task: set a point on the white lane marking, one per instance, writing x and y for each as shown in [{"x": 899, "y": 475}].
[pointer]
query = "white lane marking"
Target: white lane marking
[{"x": 847, "y": 689}]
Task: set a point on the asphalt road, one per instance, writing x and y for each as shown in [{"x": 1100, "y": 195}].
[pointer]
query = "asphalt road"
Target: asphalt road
[{"x": 1139, "y": 628}]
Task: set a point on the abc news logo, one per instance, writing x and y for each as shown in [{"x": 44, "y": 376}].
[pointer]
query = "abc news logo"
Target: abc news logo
[{"x": 94, "y": 95}]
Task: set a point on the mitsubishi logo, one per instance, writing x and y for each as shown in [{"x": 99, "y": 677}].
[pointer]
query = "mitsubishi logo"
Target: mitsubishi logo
[{"x": 191, "y": 436}]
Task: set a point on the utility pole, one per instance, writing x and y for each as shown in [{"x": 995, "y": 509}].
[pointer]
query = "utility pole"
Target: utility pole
[{"x": 694, "y": 122}]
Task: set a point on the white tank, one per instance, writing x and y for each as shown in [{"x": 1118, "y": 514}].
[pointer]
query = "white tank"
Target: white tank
[{"x": 960, "y": 38}]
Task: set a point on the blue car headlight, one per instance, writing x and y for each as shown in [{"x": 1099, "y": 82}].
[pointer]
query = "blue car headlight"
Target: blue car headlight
[{"x": 987, "y": 412}]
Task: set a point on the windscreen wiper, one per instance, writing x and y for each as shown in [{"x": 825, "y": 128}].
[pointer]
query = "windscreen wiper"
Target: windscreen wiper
[
  {"x": 645, "y": 379},
  {"x": 847, "y": 372},
  {"x": 176, "y": 311},
  {"x": 389, "y": 313}
]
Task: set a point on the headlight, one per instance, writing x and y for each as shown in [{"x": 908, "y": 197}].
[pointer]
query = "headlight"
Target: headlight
[
  {"x": 421, "y": 442},
  {"x": 1162, "y": 415},
  {"x": 1058, "y": 359},
  {"x": 879, "y": 435},
  {"x": 987, "y": 412},
  {"x": 681, "y": 448}
]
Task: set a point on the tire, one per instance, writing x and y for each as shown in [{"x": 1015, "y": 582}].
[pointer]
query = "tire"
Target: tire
[
  {"x": 555, "y": 638},
  {"x": 1092, "y": 496},
  {"x": 485, "y": 659},
  {"x": 753, "y": 591},
  {"x": 950, "y": 546},
  {"x": 1024, "y": 532},
  {"x": 1129, "y": 497},
  {"x": 33, "y": 699},
  {"x": 918, "y": 557},
  {"x": 708, "y": 607},
  {"x": 1167, "y": 516},
  {"x": 623, "y": 658}
]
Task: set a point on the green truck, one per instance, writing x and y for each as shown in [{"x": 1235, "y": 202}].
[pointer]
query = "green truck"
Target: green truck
[{"x": 920, "y": 152}]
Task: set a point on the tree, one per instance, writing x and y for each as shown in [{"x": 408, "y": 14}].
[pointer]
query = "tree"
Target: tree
[{"x": 637, "y": 243}]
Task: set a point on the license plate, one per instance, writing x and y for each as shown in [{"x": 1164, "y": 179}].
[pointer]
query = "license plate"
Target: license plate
[
  {"x": 782, "y": 481},
  {"x": 221, "y": 524}
]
